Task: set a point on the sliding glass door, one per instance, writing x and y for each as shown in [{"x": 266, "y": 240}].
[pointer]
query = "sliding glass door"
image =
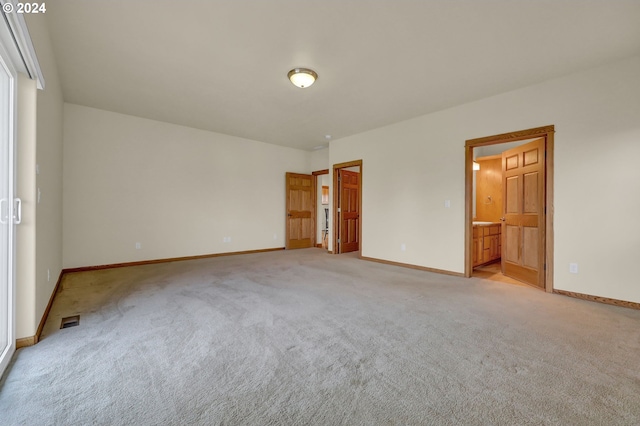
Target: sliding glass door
[{"x": 8, "y": 210}]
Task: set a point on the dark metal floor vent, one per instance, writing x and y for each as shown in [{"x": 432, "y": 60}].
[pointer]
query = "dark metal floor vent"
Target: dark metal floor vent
[{"x": 70, "y": 321}]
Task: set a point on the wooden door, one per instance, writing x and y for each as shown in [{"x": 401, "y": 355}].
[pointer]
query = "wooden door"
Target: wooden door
[
  {"x": 301, "y": 196},
  {"x": 349, "y": 212},
  {"x": 523, "y": 226}
]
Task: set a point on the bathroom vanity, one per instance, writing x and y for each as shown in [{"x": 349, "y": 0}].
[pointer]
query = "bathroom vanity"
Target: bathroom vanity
[{"x": 487, "y": 242}]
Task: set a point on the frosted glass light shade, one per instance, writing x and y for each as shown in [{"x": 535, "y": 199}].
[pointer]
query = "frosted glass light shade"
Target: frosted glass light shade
[
  {"x": 302, "y": 77},
  {"x": 476, "y": 166}
]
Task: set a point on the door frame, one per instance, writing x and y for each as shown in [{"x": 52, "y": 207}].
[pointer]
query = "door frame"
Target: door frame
[
  {"x": 334, "y": 209},
  {"x": 546, "y": 132}
]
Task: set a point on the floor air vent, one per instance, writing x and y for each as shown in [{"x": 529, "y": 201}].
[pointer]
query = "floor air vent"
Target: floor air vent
[{"x": 70, "y": 321}]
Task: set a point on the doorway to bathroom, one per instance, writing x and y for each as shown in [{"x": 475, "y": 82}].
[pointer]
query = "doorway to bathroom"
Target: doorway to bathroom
[{"x": 509, "y": 207}]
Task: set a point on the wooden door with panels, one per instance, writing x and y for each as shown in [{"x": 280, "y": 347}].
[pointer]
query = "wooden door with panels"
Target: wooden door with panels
[
  {"x": 523, "y": 220},
  {"x": 349, "y": 210},
  {"x": 300, "y": 222}
]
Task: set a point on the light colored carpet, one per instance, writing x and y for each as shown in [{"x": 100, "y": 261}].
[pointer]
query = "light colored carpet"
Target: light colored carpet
[{"x": 304, "y": 337}]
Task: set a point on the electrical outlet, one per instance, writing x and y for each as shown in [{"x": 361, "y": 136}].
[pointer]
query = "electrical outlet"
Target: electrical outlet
[
  {"x": 275, "y": 236},
  {"x": 226, "y": 239},
  {"x": 447, "y": 203},
  {"x": 573, "y": 268},
  {"x": 138, "y": 246},
  {"x": 48, "y": 275},
  {"x": 403, "y": 247}
]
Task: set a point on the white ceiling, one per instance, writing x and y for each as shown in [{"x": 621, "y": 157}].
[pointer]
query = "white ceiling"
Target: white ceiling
[{"x": 221, "y": 65}]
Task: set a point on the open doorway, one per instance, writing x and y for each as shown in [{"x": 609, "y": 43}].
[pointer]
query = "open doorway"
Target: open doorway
[
  {"x": 487, "y": 204},
  {"x": 347, "y": 202},
  {"x": 307, "y": 210},
  {"x": 322, "y": 182},
  {"x": 509, "y": 215}
]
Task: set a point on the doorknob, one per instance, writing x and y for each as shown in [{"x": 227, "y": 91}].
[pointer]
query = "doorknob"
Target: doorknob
[{"x": 502, "y": 219}]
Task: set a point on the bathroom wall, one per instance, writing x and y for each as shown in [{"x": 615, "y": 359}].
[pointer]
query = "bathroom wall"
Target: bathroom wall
[{"x": 489, "y": 189}]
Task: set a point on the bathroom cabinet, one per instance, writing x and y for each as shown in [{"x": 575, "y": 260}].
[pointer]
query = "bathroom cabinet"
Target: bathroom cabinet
[{"x": 487, "y": 243}]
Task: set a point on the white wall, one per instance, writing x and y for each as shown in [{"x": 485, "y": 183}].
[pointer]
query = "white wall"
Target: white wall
[
  {"x": 49, "y": 160},
  {"x": 26, "y": 322},
  {"x": 319, "y": 160},
  {"x": 176, "y": 190},
  {"x": 39, "y": 243},
  {"x": 411, "y": 168}
]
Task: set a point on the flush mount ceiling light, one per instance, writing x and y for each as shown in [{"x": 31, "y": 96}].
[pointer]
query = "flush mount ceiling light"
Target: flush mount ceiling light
[
  {"x": 476, "y": 165},
  {"x": 302, "y": 77}
]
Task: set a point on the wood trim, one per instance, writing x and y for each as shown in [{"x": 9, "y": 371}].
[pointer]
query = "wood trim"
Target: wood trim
[
  {"x": 348, "y": 164},
  {"x": 319, "y": 245},
  {"x": 171, "y": 259},
  {"x": 320, "y": 172},
  {"x": 314, "y": 183},
  {"x": 334, "y": 211},
  {"x": 45, "y": 314},
  {"x": 468, "y": 211},
  {"x": 32, "y": 340},
  {"x": 535, "y": 132},
  {"x": 336, "y": 194},
  {"x": 546, "y": 132},
  {"x": 26, "y": 341},
  {"x": 549, "y": 213},
  {"x": 599, "y": 299},
  {"x": 287, "y": 198},
  {"x": 410, "y": 266}
]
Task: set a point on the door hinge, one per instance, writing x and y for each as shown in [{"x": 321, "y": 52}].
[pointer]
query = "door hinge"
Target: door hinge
[
  {"x": 338, "y": 209},
  {"x": 545, "y": 266},
  {"x": 338, "y": 240}
]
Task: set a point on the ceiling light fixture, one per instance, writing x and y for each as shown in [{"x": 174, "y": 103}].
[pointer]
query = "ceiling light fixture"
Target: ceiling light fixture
[
  {"x": 302, "y": 77},
  {"x": 476, "y": 165}
]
